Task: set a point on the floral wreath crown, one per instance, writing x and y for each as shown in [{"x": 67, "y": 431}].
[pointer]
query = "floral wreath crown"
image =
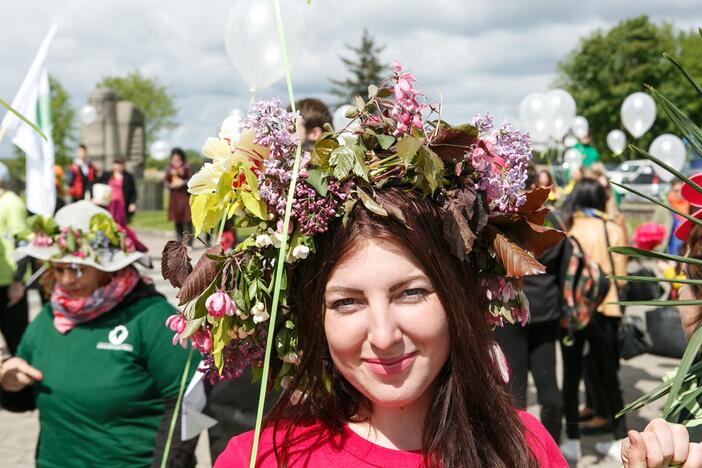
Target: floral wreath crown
[{"x": 474, "y": 172}]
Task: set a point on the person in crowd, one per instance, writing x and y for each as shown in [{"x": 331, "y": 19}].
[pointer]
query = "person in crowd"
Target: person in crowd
[
  {"x": 595, "y": 233},
  {"x": 313, "y": 115},
  {"x": 98, "y": 359},
  {"x": 81, "y": 175},
  {"x": 13, "y": 302},
  {"x": 397, "y": 325},
  {"x": 545, "y": 179},
  {"x": 533, "y": 347},
  {"x": 589, "y": 152},
  {"x": 178, "y": 173},
  {"x": 680, "y": 203},
  {"x": 124, "y": 193},
  {"x": 59, "y": 176}
]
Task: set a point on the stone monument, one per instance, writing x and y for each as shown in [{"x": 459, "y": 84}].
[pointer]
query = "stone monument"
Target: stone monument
[{"x": 116, "y": 132}]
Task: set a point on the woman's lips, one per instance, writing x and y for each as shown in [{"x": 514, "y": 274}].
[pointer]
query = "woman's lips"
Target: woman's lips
[{"x": 390, "y": 366}]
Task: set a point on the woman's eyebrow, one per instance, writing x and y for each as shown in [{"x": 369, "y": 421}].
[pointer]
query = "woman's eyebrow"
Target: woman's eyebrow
[{"x": 394, "y": 287}]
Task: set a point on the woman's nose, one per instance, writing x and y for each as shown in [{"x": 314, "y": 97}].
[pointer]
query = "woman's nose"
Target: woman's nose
[{"x": 383, "y": 329}]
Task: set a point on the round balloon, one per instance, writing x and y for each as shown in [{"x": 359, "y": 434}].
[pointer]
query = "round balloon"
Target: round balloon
[
  {"x": 580, "y": 126},
  {"x": 563, "y": 108},
  {"x": 638, "y": 113},
  {"x": 616, "y": 141},
  {"x": 572, "y": 159},
  {"x": 670, "y": 150},
  {"x": 536, "y": 114},
  {"x": 252, "y": 42},
  {"x": 570, "y": 141},
  {"x": 88, "y": 114},
  {"x": 159, "y": 150}
]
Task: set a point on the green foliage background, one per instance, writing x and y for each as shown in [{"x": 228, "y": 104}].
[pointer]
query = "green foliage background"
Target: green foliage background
[{"x": 364, "y": 67}]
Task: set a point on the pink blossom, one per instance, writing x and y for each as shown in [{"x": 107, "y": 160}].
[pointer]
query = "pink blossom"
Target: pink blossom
[
  {"x": 520, "y": 314},
  {"x": 202, "y": 340},
  {"x": 494, "y": 321},
  {"x": 219, "y": 304},
  {"x": 177, "y": 323}
]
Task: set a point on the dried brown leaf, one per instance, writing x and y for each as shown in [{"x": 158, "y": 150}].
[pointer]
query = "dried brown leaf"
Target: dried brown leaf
[
  {"x": 175, "y": 263},
  {"x": 452, "y": 143},
  {"x": 516, "y": 261},
  {"x": 465, "y": 216},
  {"x": 535, "y": 199},
  {"x": 457, "y": 232},
  {"x": 201, "y": 277}
]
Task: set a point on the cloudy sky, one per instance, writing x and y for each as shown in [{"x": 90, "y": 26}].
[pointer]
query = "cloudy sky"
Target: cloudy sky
[{"x": 481, "y": 55}]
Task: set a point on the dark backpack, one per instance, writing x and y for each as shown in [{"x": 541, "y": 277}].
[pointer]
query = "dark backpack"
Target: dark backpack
[{"x": 585, "y": 287}]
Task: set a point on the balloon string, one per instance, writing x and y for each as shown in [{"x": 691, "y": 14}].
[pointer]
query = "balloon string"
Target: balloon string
[
  {"x": 176, "y": 410},
  {"x": 280, "y": 264},
  {"x": 253, "y": 96}
]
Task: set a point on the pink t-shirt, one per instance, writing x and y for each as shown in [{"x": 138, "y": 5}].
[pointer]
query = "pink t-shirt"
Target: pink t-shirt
[{"x": 351, "y": 450}]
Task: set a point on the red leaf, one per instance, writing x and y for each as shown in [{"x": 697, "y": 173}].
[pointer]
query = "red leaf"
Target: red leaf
[
  {"x": 457, "y": 232},
  {"x": 535, "y": 199},
  {"x": 452, "y": 143},
  {"x": 465, "y": 216},
  {"x": 516, "y": 261},
  {"x": 202, "y": 276},
  {"x": 175, "y": 263}
]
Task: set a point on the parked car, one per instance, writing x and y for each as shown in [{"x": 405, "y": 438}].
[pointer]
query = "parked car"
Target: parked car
[{"x": 639, "y": 175}]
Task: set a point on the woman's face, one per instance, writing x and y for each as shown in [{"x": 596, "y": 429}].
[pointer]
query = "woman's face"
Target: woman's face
[
  {"x": 176, "y": 160},
  {"x": 689, "y": 315},
  {"x": 385, "y": 326},
  {"x": 544, "y": 179},
  {"x": 78, "y": 280}
]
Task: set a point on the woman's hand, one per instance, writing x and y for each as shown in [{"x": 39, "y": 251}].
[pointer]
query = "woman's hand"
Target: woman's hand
[
  {"x": 660, "y": 445},
  {"x": 15, "y": 374}
]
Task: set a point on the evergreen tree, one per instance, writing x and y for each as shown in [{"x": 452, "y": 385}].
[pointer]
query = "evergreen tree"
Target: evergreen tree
[{"x": 364, "y": 68}]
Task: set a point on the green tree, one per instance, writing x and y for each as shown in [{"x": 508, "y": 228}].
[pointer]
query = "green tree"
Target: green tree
[
  {"x": 63, "y": 123},
  {"x": 153, "y": 98},
  {"x": 607, "y": 66},
  {"x": 364, "y": 68}
]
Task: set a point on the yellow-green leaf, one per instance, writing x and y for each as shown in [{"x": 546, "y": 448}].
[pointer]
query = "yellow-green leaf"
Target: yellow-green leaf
[
  {"x": 371, "y": 204},
  {"x": 253, "y": 206},
  {"x": 407, "y": 147},
  {"x": 252, "y": 181}
]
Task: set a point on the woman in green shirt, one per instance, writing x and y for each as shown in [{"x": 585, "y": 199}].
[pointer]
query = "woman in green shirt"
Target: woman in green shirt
[{"x": 97, "y": 359}]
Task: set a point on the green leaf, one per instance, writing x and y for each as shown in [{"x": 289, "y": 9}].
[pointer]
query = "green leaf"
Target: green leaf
[
  {"x": 642, "y": 253},
  {"x": 23, "y": 118},
  {"x": 318, "y": 180},
  {"x": 432, "y": 167},
  {"x": 342, "y": 159},
  {"x": 252, "y": 182},
  {"x": 322, "y": 151},
  {"x": 668, "y": 168},
  {"x": 348, "y": 206},
  {"x": 360, "y": 103},
  {"x": 384, "y": 92},
  {"x": 685, "y": 403},
  {"x": 385, "y": 141},
  {"x": 370, "y": 204},
  {"x": 253, "y": 206},
  {"x": 372, "y": 91},
  {"x": 691, "y": 351},
  {"x": 687, "y": 127},
  {"x": 658, "y": 202},
  {"x": 658, "y": 303},
  {"x": 407, "y": 148},
  {"x": 352, "y": 113},
  {"x": 192, "y": 326},
  {"x": 654, "y": 279},
  {"x": 684, "y": 72},
  {"x": 359, "y": 163},
  {"x": 224, "y": 186}
]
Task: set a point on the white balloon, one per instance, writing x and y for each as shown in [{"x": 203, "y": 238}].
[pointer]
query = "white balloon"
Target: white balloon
[
  {"x": 638, "y": 113},
  {"x": 536, "y": 114},
  {"x": 252, "y": 42},
  {"x": 580, "y": 126},
  {"x": 616, "y": 141},
  {"x": 573, "y": 159},
  {"x": 563, "y": 106},
  {"x": 671, "y": 150},
  {"x": 159, "y": 150},
  {"x": 88, "y": 114},
  {"x": 570, "y": 141}
]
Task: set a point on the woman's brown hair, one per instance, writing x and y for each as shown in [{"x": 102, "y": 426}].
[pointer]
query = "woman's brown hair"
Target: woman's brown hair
[{"x": 472, "y": 421}]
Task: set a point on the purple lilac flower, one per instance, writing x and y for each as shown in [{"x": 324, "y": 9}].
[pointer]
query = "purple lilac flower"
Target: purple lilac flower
[
  {"x": 237, "y": 356},
  {"x": 482, "y": 122},
  {"x": 313, "y": 212},
  {"x": 275, "y": 128}
]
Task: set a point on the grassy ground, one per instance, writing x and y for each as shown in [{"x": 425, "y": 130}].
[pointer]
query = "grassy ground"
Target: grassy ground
[{"x": 156, "y": 220}]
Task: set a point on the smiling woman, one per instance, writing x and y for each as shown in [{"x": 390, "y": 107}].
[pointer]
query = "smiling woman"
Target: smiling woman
[{"x": 398, "y": 367}]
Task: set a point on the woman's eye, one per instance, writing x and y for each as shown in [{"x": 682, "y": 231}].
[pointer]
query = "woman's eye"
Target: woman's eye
[
  {"x": 414, "y": 294},
  {"x": 346, "y": 302}
]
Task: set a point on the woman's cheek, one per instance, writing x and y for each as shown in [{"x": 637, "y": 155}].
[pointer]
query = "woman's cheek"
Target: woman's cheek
[{"x": 345, "y": 333}]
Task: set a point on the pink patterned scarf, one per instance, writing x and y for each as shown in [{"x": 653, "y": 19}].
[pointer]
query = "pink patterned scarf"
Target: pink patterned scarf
[{"x": 70, "y": 311}]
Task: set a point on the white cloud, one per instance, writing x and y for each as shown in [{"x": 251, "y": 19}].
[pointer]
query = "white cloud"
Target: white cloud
[{"x": 482, "y": 55}]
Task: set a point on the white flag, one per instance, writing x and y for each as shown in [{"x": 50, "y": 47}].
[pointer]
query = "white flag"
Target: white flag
[{"x": 33, "y": 100}]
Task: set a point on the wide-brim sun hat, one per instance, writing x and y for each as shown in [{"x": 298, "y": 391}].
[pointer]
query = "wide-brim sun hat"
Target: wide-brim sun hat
[
  {"x": 690, "y": 194},
  {"x": 77, "y": 217}
]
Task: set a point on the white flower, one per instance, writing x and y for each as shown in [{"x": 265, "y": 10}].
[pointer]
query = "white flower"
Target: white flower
[
  {"x": 301, "y": 252},
  {"x": 229, "y": 130},
  {"x": 262, "y": 241},
  {"x": 276, "y": 238},
  {"x": 217, "y": 150},
  {"x": 259, "y": 313},
  {"x": 206, "y": 179}
]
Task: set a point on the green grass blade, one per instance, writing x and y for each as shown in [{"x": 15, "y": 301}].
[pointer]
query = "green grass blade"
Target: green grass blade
[
  {"x": 655, "y": 279},
  {"x": 686, "y": 126},
  {"x": 658, "y": 303},
  {"x": 642, "y": 253},
  {"x": 658, "y": 202},
  {"x": 691, "y": 351},
  {"x": 684, "y": 403},
  {"x": 665, "y": 166},
  {"x": 684, "y": 72},
  {"x": 22, "y": 118}
]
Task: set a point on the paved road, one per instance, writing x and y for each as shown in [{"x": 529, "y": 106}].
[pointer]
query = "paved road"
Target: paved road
[{"x": 18, "y": 432}]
